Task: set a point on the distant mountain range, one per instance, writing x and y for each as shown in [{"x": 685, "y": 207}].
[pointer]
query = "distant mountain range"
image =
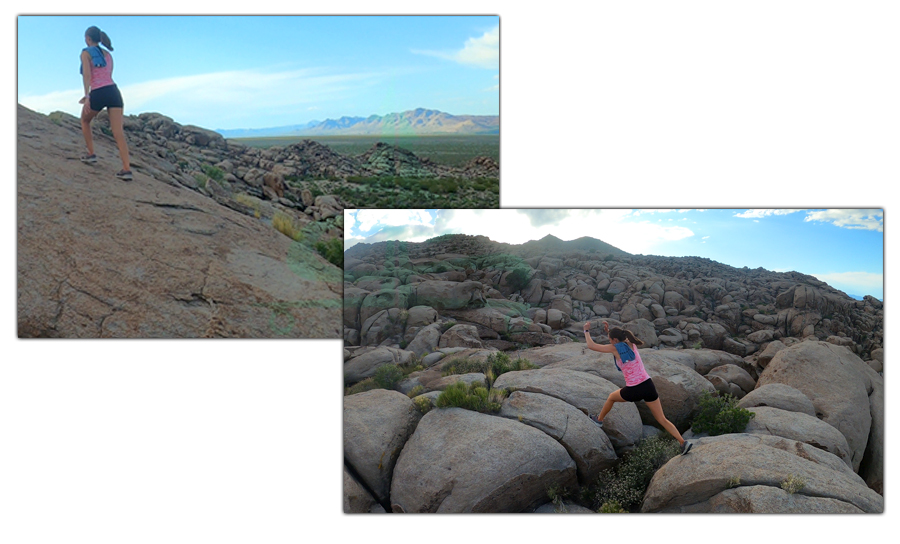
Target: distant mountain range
[
  {"x": 585, "y": 243},
  {"x": 409, "y": 123}
]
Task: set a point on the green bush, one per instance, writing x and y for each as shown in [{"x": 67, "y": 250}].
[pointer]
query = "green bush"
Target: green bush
[
  {"x": 213, "y": 172},
  {"x": 611, "y": 507},
  {"x": 474, "y": 397},
  {"x": 388, "y": 376},
  {"x": 423, "y": 404},
  {"x": 720, "y": 415},
  {"x": 558, "y": 496},
  {"x": 332, "y": 250},
  {"x": 626, "y": 483},
  {"x": 416, "y": 391},
  {"x": 518, "y": 279},
  {"x": 361, "y": 387},
  {"x": 496, "y": 363},
  {"x": 793, "y": 484}
]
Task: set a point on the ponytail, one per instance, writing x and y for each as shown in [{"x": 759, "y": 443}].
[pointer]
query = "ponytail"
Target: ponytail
[
  {"x": 104, "y": 39},
  {"x": 623, "y": 334},
  {"x": 97, "y": 35}
]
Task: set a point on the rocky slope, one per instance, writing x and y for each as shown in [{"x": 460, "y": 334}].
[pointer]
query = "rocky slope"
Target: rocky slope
[
  {"x": 543, "y": 291},
  {"x": 805, "y": 358},
  {"x": 171, "y": 254}
]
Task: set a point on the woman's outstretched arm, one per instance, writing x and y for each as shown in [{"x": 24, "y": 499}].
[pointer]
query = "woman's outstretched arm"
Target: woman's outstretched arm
[{"x": 603, "y": 348}]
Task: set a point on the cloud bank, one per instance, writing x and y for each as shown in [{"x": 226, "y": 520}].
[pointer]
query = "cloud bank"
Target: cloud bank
[
  {"x": 850, "y": 219},
  {"x": 229, "y": 97},
  {"x": 482, "y": 52},
  {"x": 843, "y": 218}
]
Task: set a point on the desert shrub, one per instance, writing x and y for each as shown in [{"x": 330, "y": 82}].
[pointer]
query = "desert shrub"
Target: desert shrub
[
  {"x": 611, "y": 507},
  {"x": 200, "y": 179},
  {"x": 557, "y": 496},
  {"x": 361, "y": 387},
  {"x": 793, "y": 484},
  {"x": 422, "y": 404},
  {"x": 213, "y": 172},
  {"x": 388, "y": 376},
  {"x": 626, "y": 483},
  {"x": 474, "y": 397},
  {"x": 734, "y": 481},
  {"x": 461, "y": 366},
  {"x": 332, "y": 250},
  {"x": 415, "y": 391},
  {"x": 496, "y": 363},
  {"x": 249, "y": 201},
  {"x": 720, "y": 415},
  {"x": 501, "y": 363},
  {"x": 286, "y": 225},
  {"x": 518, "y": 279}
]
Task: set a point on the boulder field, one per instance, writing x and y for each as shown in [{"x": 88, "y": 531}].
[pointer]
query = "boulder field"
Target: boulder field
[
  {"x": 806, "y": 359},
  {"x": 455, "y": 460}
]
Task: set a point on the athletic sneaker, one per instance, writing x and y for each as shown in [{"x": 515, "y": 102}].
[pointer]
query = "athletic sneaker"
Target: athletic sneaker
[
  {"x": 686, "y": 447},
  {"x": 89, "y": 159},
  {"x": 124, "y": 175},
  {"x": 594, "y": 419}
]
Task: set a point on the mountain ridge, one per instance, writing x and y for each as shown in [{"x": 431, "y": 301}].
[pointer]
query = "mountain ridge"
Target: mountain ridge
[{"x": 419, "y": 122}]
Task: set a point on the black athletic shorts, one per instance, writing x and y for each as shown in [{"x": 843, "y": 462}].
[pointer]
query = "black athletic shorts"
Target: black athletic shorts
[
  {"x": 644, "y": 391},
  {"x": 106, "y": 97}
]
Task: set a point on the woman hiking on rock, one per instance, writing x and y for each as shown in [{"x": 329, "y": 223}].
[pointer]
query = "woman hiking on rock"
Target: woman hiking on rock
[
  {"x": 100, "y": 92},
  {"x": 638, "y": 385}
]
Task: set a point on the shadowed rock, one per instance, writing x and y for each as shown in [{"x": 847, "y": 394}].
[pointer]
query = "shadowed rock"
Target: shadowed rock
[
  {"x": 463, "y": 461},
  {"x": 586, "y": 443},
  {"x": 585, "y": 392},
  {"x": 690, "y": 483},
  {"x": 377, "y": 424}
]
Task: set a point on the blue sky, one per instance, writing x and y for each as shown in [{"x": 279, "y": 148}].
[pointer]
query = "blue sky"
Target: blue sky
[
  {"x": 228, "y": 72},
  {"x": 842, "y": 247}
]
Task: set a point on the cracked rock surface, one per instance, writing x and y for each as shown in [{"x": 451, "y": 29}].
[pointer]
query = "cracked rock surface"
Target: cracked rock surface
[{"x": 98, "y": 257}]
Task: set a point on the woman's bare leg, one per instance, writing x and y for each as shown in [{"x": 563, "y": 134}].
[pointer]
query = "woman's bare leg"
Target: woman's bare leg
[
  {"x": 613, "y": 398},
  {"x": 87, "y": 115},
  {"x": 115, "y": 123},
  {"x": 657, "y": 411}
]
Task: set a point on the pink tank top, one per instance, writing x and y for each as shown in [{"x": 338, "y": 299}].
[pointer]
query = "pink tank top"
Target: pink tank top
[
  {"x": 634, "y": 370},
  {"x": 101, "y": 76}
]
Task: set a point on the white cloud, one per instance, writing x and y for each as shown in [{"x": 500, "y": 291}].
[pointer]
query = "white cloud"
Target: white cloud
[
  {"x": 850, "y": 219},
  {"x": 350, "y": 221},
  {"x": 613, "y": 226},
  {"x": 749, "y": 214},
  {"x": 366, "y": 221},
  {"x": 855, "y": 283},
  {"x": 483, "y": 51},
  {"x": 517, "y": 226},
  {"x": 216, "y": 99}
]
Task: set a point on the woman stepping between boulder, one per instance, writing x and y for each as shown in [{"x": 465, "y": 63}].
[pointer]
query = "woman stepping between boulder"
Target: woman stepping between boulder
[{"x": 638, "y": 385}]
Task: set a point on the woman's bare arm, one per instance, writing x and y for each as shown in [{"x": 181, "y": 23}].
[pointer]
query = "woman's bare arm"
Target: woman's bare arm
[
  {"x": 85, "y": 75},
  {"x": 602, "y": 348}
]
